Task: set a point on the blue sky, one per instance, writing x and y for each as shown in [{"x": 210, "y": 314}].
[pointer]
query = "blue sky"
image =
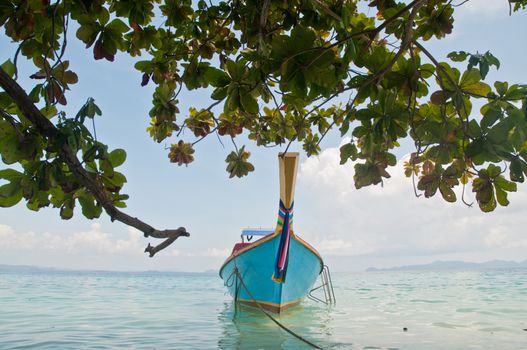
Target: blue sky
[{"x": 352, "y": 229}]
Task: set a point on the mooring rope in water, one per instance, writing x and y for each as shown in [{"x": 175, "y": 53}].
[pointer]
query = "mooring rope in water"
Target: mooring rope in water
[{"x": 235, "y": 271}]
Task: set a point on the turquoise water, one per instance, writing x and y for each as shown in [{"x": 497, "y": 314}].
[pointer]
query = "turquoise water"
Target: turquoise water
[{"x": 103, "y": 310}]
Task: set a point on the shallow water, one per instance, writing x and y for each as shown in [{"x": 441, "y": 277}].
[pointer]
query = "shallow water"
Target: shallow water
[{"x": 110, "y": 310}]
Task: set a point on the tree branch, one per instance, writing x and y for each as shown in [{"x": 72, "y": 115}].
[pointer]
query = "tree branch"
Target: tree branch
[
  {"x": 327, "y": 10},
  {"x": 48, "y": 130},
  {"x": 407, "y": 39},
  {"x": 371, "y": 32}
]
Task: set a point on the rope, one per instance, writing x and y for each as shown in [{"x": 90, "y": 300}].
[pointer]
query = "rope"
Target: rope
[
  {"x": 270, "y": 316},
  {"x": 228, "y": 282}
]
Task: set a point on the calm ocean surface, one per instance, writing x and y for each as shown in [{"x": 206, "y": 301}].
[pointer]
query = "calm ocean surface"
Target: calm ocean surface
[{"x": 107, "y": 310}]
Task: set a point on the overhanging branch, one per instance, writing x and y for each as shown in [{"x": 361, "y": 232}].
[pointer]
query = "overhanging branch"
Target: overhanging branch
[{"x": 48, "y": 130}]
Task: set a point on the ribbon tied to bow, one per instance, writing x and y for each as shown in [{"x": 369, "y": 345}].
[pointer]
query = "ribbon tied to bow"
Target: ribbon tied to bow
[{"x": 285, "y": 219}]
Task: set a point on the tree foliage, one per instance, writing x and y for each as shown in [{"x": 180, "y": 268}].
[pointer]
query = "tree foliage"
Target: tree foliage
[{"x": 277, "y": 72}]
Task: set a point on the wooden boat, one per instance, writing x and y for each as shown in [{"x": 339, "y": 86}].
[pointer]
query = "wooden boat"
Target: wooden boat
[{"x": 278, "y": 270}]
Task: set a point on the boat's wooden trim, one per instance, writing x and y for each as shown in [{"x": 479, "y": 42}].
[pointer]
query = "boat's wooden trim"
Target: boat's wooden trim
[
  {"x": 266, "y": 239},
  {"x": 273, "y": 307},
  {"x": 287, "y": 169}
]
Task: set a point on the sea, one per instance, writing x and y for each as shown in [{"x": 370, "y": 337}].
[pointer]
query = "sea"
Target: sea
[{"x": 52, "y": 309}]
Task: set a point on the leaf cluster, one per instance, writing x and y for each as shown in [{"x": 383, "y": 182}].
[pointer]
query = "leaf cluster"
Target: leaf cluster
[{"x": 277, "y": 72}]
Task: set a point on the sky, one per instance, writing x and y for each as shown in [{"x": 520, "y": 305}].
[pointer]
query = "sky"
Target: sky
[{"x": 352, "y": 229}]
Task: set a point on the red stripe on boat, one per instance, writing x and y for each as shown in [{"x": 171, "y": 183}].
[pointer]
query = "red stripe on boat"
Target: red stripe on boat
[{"x": 239, "y": 246}]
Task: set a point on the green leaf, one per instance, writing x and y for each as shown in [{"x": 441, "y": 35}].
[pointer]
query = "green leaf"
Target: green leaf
[
  {"x": 458, "y": 56},
  {"x": 501, "y": 196},
  {"x": 66, "y": 211},
  {"x": 7, "y": 202},
  {"x": 249, "y": 103},
  {"x": 484, "y": 69},
  {"x": 451, "y": 72},
  {"x": 104, "y": 16},
  {"x": 220, "y": 93},
  {"x": 499, "y": 133},
  {"x": 116, "y": 181},
  {"x": 470, "y": 82},
  {"x": 106, "y": 167},
  {"x": 347, "y": 151},
  {"x": 447, "y": 193},
  {"x": 235, "y": 69},
  {"x": 368, "y": 174},
  {"x": 516, "y": 173},
  {"x": 87, "y": 34},
  {"x": 493, "y": 171},
  {"x": 118, "y": 26},
  {"x": 120, "y": 204},
  {"x": 89, "y": 209},
  {"x": 91, "y": 167},
  {"x": 350, "y": 51},
  {"x": 484, "y": 194},
  {"x": 217, "y": 77},
  {"x": 429, "y": 184},
  {"x": 492, "y": 114},
  {"x": 470, "y": 76},
  {"x": 517, "y": 137},
  {"x": 10, "y": 174},
  {"x": 237, "y": 164},
  {"x": 505, "y": 185},
  {"x": 10, "y": 194},
  {"x": 492, "y": 60},
  {"x": 49, "y": 111},
  {"x": 463, "y": 105},
  {"x": 35, "y": 93},
  {"x": 474, "y": 129},
  {"x": 479, "y": 89},
  {"x": 501, "y": 87},
  {"x": 302, "y": 38},
  {"x": 9, "y": 68},
  {"x": 427, "y": 70},
  {"x": 117, "y": 157}
]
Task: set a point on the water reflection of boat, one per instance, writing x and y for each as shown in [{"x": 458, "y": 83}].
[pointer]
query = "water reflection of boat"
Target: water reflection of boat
[
  {"x": 278, "y": 270},
  {"x": 249, "y": 329}
]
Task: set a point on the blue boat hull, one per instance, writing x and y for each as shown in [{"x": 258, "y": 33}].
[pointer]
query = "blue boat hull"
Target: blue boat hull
[{"x": 256, "y": 264}]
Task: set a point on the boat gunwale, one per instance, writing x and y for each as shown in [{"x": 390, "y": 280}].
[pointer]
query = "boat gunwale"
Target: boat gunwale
[{"x": 266, "y": 239}]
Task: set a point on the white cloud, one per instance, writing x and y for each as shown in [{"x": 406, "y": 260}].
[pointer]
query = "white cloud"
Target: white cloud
[
  {"x": 339, "y": 247},
  {"x": 217, "y": 253},
  {"x": 499, "y": 237},
  {"x": 101, "y": 242},
  {"x": 93, "y": 241},
  {"x": 179, "y": 253},
  {"x": 390, "y": 221},
  {"x": 97, "y": 249},
  {"x": 208, "y": 253}
]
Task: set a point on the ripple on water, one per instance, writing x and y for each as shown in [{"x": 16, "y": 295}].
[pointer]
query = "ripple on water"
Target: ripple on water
[
  {"x": 466, "y": 309},
  {"x": 441, "y": 310},
  {"x": 425, "y": 301},
  {"x": 448, "y": 325},
  {"x": 495, "y": 329},
  {"x": 518, "y": 311}
]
